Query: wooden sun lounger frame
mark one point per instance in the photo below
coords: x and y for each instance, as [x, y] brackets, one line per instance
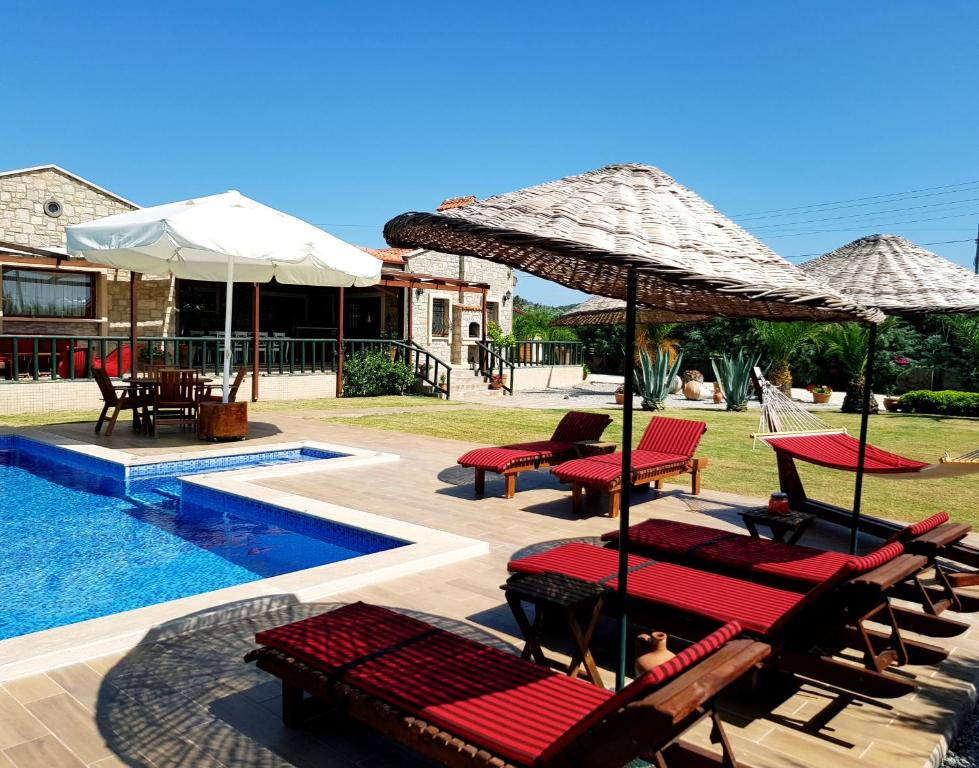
[509, 474]
[649, 728]
[581, 489]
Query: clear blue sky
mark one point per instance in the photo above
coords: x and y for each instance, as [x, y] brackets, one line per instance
[347, 114]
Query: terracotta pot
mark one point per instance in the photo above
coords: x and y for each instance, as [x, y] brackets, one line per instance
[651, 651]
[821, 397]
[692, 390]
[620, 398]
[891, 403]
[718, 395]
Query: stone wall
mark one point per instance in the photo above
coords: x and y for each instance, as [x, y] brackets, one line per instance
[500, 279]
[24, 222]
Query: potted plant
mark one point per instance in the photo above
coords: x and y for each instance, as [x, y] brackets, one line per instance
[692, 384]
[820, 393]
[891, 402]
[497, 381]
[620, 394]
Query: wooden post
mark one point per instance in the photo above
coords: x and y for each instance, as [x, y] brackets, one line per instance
[133, 326]
[256, 294]
[340, 314]
[410, 324]
[482, 362]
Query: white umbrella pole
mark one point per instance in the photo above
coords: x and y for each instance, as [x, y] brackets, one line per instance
[229, 294]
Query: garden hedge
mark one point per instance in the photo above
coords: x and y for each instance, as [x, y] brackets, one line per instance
[947, 402]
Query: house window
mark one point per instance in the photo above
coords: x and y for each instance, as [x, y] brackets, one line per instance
[493, 312]
[440, 317]
[473, 330]
[48, 293]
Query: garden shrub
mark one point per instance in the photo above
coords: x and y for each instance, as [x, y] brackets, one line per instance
[946, 402]
[372, 372]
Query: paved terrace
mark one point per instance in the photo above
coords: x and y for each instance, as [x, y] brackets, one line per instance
[188, 699]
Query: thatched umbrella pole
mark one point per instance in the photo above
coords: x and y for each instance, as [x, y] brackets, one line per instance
[629, 355]
[868, 389]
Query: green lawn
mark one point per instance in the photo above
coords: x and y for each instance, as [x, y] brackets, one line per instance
[393, 403]
[734, 466]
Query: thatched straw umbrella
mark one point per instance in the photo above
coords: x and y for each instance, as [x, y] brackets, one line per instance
[629, 232]
[601, 310]
[897, 277]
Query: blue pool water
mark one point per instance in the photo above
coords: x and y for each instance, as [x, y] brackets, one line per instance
[83, 537]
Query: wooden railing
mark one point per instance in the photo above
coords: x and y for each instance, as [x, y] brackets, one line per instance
[529, 353]
[492, 363]
[427, 367]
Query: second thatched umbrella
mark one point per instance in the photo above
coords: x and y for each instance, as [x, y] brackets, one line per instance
[629, 232]
[601, 310]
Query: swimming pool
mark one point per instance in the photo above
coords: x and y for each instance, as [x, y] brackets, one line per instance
[85, 537]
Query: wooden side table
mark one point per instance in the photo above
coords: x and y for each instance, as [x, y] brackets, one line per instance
[794, 524]
[571, 597]
[587, 448]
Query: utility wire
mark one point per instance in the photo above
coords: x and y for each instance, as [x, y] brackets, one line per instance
[865, 214]
[847, 203]
[875, 226]
[940, 242]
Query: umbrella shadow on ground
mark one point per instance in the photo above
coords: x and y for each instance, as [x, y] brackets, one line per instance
[185, 696]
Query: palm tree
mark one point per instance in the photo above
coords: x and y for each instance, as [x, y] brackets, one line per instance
[535, 323]
[783, 341]
[656, 336]
[847, 342]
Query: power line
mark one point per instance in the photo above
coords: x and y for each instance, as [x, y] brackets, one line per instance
[867, 213]
[858, 199]
[875, 226]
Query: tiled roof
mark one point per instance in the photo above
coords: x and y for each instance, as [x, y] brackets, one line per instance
[456, 202]
[389, 255]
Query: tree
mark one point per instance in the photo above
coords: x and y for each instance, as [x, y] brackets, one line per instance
[783, 341]
[534, 322]
[965, 331]
[848, 342]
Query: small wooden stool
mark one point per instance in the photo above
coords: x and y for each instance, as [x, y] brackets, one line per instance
[586, 448]
[794, 524]
[570, 596]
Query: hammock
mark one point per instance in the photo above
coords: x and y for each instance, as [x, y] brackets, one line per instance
[790, 430]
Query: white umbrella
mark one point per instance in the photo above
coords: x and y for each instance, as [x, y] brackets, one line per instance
[223, 238]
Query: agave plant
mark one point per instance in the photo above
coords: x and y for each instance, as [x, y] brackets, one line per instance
[657, 377]
[733, 373]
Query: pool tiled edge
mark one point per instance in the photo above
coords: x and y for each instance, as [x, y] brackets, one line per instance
[427, 548]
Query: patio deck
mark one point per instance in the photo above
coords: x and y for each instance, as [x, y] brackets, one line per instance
[188, 699]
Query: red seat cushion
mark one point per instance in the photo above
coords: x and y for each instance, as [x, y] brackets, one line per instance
[575, 426]
[516, 709]
[607, 468]
[505, 457]
[668, 435]
[756, 607]
[919, 528]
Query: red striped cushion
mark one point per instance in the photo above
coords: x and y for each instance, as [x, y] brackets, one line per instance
[668, 435]
[930, 524]
[875, 559]
[512, 707]
[505, 457]
[607, 469]
[645, 684]
[575, 426]
[839, 451]
[756, 607]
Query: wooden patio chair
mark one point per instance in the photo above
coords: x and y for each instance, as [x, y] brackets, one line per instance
[176, 399]
[462, 703]
[809, 631]
[213, 392]
[799, 567]
[120, 397]
[665, 450]
[511, 460]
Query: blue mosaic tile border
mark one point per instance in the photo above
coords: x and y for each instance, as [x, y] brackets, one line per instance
[71, 458]
[215, 463]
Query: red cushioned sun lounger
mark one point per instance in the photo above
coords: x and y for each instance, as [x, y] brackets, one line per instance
[799, 568]
[511, 460]
[805, 629]
[464, 703]
[665, 450]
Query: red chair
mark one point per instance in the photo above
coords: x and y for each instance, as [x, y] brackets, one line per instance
[464, 703]
[111, 362]
[665, 450]
[511, 460]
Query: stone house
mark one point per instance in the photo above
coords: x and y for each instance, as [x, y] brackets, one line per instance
[44, 292]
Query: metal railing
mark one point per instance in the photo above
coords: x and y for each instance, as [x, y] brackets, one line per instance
[531, 352]
[58, 357]
[492, 363]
